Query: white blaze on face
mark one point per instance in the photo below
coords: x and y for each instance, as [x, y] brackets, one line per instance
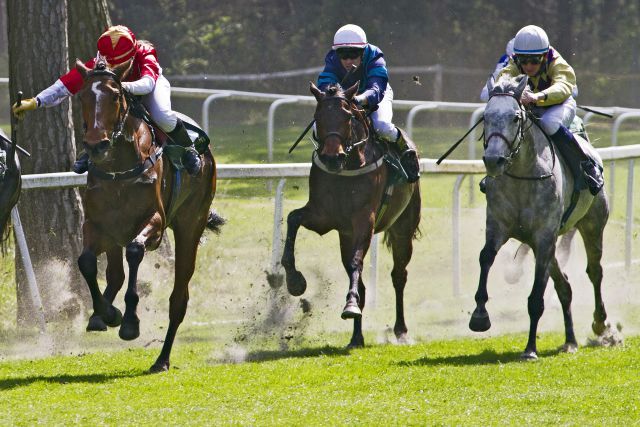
[99, 94]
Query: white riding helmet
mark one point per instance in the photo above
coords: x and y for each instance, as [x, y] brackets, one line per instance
[531, 40]
[349, 36]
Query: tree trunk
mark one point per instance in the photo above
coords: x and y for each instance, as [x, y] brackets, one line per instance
[3, 27]
[87, 20]
[51, 218]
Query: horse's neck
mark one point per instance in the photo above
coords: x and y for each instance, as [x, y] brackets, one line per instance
[134, 146]
[534, 157]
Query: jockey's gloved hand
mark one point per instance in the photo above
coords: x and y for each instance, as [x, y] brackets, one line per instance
[26, 105]
[361, 100]
[528, 97]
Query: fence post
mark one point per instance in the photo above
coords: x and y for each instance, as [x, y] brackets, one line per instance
[276, 245]
[32, 285]
[205, 108]
[271, 125]
[629, 222]
[456, 235]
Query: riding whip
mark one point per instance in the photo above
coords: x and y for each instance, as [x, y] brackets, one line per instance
[600, 113]
[454, 146]
[304, 132]
[14, 124]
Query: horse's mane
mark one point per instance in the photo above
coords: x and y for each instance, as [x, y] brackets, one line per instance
[334, 90]
[506, 85]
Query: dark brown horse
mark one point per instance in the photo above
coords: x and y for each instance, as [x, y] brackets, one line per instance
[349, 192]
[10, 183]
[129, 201]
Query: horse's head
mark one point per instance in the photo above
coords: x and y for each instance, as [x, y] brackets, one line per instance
[504, 120]
[340, 126]
[103, 106]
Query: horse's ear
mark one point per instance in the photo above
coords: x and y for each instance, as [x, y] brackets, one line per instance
[123, 69]
[522, 84]
[349, 93]
[315, 91]
[82, 69]
[491, 82]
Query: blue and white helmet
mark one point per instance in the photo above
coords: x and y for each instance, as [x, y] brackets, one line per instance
[531, 40]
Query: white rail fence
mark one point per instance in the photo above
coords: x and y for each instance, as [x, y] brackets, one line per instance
[462, 168]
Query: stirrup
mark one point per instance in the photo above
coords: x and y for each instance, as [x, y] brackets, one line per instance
[81, 165]
[191, 161]
[411, 165]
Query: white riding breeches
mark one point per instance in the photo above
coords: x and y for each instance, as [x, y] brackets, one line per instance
[552, 117]
[383, 116]
[158, 103]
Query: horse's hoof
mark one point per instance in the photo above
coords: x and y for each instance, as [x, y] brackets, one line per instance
[356, 343]
[480, 321]
[96, 324]
[130, 329]
[598, 327]
[159, 367]
[569, 347]
[113, 317]
[275, 280]
[403, 339]
[351, 311]
[296, 283]
[529, 356]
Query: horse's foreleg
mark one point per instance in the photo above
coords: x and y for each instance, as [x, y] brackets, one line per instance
[563, 289]
[296, 283]
[134, 253]
[104, 314]
[186, 249]
[480, 321]
[545, 250]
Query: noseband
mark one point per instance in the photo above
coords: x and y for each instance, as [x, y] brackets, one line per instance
[516, 143]
[347, 142]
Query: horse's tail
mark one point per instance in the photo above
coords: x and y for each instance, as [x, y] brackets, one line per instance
[215, 221]
[387, 242]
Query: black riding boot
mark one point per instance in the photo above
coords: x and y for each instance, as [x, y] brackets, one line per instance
[408, 156]
[81, 165]
[190, 159]
[581, 165]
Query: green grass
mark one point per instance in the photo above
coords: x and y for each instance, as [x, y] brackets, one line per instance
[470, 382]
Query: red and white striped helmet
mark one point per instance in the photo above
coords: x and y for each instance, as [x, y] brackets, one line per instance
[349, 36]
[117, 44]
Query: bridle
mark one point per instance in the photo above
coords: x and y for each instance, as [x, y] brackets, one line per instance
[119, 126]
[356, 115]
[514, 145]
[117, 134]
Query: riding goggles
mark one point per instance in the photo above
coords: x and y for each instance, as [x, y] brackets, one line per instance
[349, 53]
[529, 59]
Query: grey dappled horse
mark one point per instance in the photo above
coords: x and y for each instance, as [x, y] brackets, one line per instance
[528, 191]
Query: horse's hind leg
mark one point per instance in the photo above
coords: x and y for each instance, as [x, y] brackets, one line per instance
[400, 237]
[563, 289]
[591, 228]
[186, 239]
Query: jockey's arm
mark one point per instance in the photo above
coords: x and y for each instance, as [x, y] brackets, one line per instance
[142, 86]
[563, 80]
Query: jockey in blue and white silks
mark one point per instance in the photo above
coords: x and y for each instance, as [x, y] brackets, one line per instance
[350, 48]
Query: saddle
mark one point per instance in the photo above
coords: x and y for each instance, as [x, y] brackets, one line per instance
[172, 152]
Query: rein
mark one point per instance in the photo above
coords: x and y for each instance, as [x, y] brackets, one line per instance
[344, 140]
[117, 134]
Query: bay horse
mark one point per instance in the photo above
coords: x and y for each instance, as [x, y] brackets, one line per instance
[349, 191]
[10, 183]
[529, 189]
[131, 197]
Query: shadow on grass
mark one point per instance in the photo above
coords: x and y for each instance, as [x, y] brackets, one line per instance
[487, 357]
[265, 356]
[11, 383]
